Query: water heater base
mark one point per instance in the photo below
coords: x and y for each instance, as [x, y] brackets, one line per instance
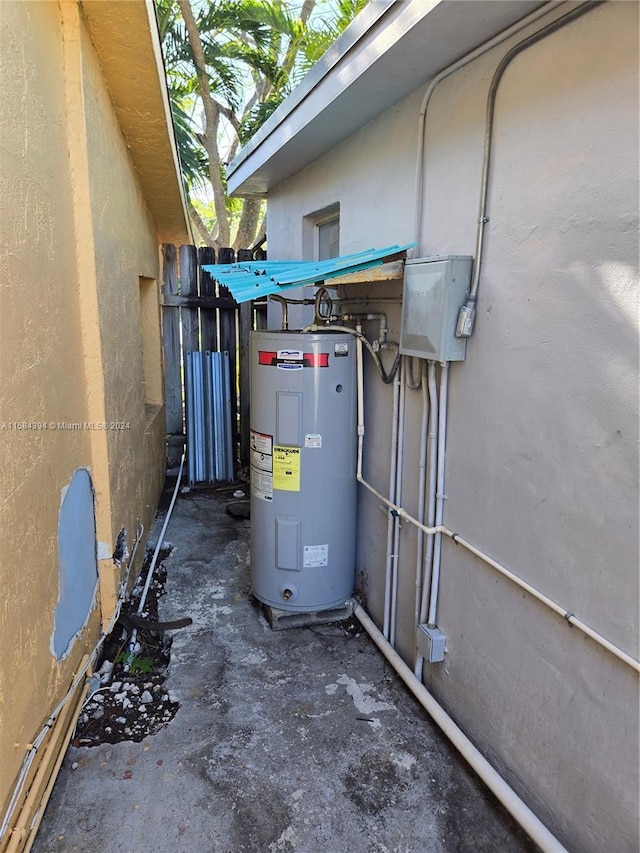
[281, 619]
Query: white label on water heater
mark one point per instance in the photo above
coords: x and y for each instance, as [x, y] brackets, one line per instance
[261, 465]
[315, 556]
[261, 485]
[313, 439]
[261, 461]
[290, 359]
[261, 442]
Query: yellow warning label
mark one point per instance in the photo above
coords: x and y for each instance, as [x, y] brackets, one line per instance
[286, 468]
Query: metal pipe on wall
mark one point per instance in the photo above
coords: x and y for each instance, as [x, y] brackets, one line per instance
[468, 312]
[446, 72]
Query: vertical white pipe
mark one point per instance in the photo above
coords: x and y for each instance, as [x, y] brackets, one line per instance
[431, 499]
[131, 645]
[392, 496]
[360, 393]
[431, 493]
[395, 564]
[360, 418]
[440, 495]
[422, 487]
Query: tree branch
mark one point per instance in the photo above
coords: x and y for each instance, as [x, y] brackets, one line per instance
[246, 233]
[228, 114]
[212, 117]
[201, 228]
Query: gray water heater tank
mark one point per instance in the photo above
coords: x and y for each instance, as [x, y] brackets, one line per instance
[303, 466]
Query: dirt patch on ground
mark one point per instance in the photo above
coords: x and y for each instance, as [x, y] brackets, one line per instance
[131, 701]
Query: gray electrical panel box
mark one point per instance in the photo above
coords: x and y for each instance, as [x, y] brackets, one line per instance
[434, 291]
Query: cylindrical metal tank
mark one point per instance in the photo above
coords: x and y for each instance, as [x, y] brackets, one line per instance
[303, 466]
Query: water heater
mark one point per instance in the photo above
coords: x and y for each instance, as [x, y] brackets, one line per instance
[303, 466]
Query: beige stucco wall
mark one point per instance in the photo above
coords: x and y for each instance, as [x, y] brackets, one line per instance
[542, 456]
[77, 235]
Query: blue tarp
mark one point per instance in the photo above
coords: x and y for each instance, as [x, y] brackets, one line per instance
[254, 279]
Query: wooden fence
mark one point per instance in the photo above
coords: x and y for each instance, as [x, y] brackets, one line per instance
[200, 315]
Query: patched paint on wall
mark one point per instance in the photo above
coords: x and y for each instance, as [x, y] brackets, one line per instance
[77, 563]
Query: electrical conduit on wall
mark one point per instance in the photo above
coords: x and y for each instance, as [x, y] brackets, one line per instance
[567, 615]
[507, 796]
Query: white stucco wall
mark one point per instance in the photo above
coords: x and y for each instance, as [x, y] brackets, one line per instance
[542, 465]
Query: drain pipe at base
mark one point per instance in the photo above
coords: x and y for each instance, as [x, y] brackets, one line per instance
[531, 824]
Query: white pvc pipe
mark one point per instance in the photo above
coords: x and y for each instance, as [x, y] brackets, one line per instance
[147, 583]
[392, 495]
[422, 487]
[431, 529]
[440, 495]
[360, 392]
[134, 634]
[557, 608]
[540, 596]
[431, 505]
[395, 556]
[433, 480]
[568, 615]
[357, 318]
[531, 824]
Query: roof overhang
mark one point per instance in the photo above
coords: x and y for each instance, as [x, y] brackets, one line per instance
[125, 36]
[388, 51]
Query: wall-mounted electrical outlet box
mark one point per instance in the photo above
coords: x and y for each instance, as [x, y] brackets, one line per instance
[431, 643]
[434, 291]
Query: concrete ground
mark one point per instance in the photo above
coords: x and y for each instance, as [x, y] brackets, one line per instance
[296, 740]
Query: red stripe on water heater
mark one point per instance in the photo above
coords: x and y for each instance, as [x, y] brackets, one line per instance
[316, 359]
